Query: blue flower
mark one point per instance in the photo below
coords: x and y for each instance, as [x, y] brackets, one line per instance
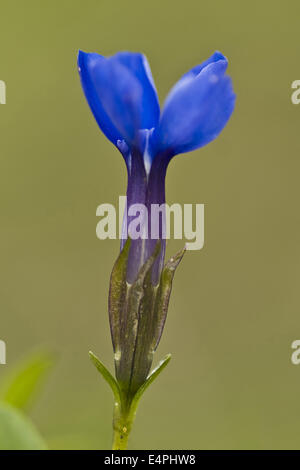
[121, 94]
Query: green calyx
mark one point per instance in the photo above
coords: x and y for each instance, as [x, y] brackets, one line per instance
[137, 315]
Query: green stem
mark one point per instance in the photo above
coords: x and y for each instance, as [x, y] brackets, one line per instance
[122, 424]
[120, 440]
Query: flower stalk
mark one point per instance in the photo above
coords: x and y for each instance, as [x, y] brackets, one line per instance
[122, 424]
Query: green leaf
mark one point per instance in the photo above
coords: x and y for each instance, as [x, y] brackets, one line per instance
[21, 386]
[151, 377]
[107, 376]
[17, 432]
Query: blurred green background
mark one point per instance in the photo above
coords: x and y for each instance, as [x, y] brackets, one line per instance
[235, 308]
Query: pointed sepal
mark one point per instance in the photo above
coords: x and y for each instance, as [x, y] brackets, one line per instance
[163, 296]
[117, 295]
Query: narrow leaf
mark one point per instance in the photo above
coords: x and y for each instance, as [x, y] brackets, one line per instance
[106, 375]
[151, 377]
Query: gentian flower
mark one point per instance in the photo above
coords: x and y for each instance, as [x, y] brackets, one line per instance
[122, 96]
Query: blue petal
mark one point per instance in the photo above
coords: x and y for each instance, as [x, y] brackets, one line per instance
[87, 63]
[121, 94]
[197, 108]
[197, 69]
[140, 68]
